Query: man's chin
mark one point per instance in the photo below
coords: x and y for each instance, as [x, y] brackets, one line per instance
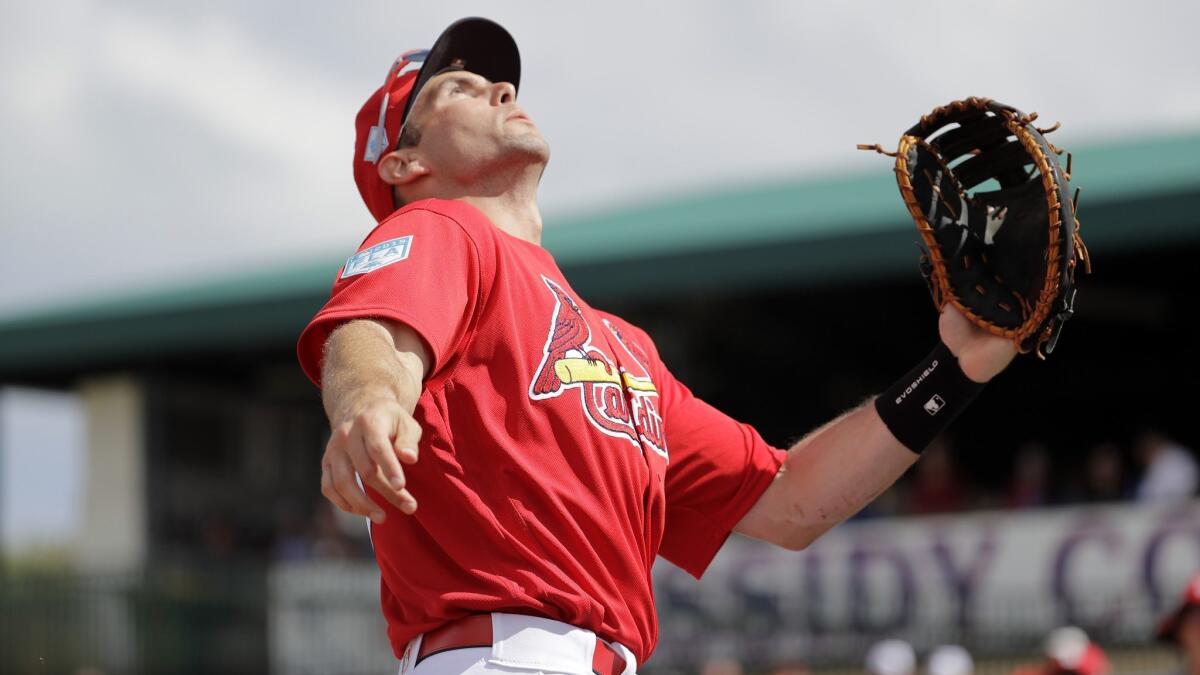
[532, 146]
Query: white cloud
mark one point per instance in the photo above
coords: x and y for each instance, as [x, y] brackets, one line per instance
[216, 72]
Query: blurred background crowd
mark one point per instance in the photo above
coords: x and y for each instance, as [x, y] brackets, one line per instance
[1152, 469]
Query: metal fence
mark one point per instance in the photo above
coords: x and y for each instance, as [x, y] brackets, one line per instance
[193, 621]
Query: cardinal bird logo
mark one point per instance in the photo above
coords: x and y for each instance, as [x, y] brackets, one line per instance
[615, 401]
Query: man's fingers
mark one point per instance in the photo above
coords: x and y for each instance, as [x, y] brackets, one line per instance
[330, 493]
[408, 435]
[364, 453]
[391, 477]
[364, 450]
[345, 482]
[379, 449]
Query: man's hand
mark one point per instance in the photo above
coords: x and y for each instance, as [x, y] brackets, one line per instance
[372, 439]
[981, 355]
[371, 380]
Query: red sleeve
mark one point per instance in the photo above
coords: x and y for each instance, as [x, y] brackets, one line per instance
[419, 268]
[718, 469]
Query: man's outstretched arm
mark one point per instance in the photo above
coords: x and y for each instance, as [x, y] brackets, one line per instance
[841, 467]
[371, 378]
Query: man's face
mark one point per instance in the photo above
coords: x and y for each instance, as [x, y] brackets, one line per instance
[470, 127]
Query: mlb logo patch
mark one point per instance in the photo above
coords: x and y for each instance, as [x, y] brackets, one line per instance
[933, 405]
[380, 255]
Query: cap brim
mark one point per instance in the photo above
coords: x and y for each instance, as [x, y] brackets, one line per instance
[482, 46]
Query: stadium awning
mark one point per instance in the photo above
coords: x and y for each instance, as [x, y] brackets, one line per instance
[808, 232]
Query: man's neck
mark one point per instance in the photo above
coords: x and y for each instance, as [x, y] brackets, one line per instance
[515, 213]
[508, 199]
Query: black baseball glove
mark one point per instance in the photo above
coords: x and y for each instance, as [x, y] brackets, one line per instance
[996, 217]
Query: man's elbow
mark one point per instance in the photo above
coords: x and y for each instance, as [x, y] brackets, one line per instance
[797, 538]
[780, 519]
[793, 533]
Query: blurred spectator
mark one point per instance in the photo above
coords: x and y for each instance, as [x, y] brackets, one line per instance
[1069, 651]
[936, 487]
[891, 657]
[329, 542]
[721, 666]
[1182, 627]
[1104, 477]
[1031, 478]
[1169, 469]
[291, 537]
[949, 660]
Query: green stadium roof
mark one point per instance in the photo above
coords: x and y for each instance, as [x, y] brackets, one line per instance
[804, 232]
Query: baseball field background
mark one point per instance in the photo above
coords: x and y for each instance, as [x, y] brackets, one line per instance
[176, 198]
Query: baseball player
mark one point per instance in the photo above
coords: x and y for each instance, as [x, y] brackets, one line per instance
[523, 458]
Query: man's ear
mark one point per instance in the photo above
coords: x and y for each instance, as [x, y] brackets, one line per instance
[402, 167]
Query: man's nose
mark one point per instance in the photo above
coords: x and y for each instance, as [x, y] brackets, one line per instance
[503, 92]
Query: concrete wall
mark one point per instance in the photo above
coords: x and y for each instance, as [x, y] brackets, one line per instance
[113, 532]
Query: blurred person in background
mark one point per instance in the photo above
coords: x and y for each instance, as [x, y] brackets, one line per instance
[1182, 628]
[891, 657]
[721, 666]
[1104, 474]
[329, 538]
[1169, 469]
[949, 660]
[292, 540]
[1031, 478]
[936, 487]
[1069, 651]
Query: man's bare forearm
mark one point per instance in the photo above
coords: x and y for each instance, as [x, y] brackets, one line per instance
[828, 476]
[371, 380]
[362, 362]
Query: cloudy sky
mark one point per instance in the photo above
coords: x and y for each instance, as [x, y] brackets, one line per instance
[151, 142]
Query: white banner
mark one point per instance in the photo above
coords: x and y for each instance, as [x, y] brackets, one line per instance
[997, 579]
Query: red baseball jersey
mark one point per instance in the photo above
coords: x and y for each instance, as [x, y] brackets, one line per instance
[559, 456]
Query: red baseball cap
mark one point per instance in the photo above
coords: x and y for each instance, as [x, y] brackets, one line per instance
[478, 45]
[1169, 626]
